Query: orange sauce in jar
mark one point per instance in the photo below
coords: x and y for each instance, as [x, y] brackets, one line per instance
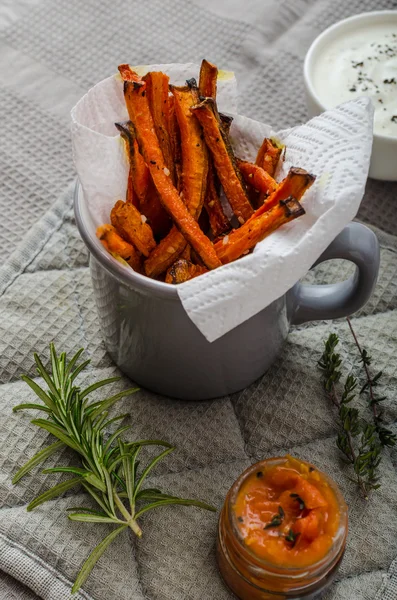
[283, 530]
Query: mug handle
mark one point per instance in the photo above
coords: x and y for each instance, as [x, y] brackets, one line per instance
[358, 244]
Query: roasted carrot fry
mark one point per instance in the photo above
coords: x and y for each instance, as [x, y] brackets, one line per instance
[140, 173]
[131, 196]
[127, 219]
[115, 244]
[138, 109]
[183, 270]
[218, 221]
[187, 253]
[241, 240]
[194, 177]
[138, 168]
[194, 151]
[175, 139]
[268, 156]
[148, 200]
[226, 122]
[157, 93]
[207, 79]
[164, 254]
[207, 88]
[151, 207]
[295, 184]
[128, 136]
[127, 73]
[257, 177]
[224, 160]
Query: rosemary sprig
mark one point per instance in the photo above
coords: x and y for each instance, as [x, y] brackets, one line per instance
[110, 471]
[356, 439]
[386, 437]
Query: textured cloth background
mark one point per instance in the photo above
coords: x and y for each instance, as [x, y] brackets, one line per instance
[51, 52]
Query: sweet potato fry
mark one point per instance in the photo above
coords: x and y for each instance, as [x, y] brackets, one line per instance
[115, 244]
[295, 184]
[183, 270]
[257, 177]
[207, 79]
[157, 94]
[224, 160]
[241, 240]
[138, 168]
[218, 221]
[127, 219]
[138, 109]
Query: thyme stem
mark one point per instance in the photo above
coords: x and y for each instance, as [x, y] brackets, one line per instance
[356, 439]
[386, 436]
[353, 456]
[368, 376]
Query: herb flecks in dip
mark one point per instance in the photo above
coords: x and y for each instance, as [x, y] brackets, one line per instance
[362, 62]
[287, 515]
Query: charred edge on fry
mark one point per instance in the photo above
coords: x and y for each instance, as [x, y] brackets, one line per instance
[173, 273]
[224, 131]
[226, 120]
[298, 171]
[126, 129]
[191, 83]
[292, 207]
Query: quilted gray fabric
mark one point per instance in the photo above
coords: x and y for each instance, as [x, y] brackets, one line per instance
[50, 53]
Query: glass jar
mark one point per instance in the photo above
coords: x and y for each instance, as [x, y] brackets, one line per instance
[251, 577]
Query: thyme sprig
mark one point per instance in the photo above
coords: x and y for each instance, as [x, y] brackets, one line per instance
[357, 440]
[110, 470]
[386, 437]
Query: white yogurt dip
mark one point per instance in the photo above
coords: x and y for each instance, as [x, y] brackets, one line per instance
[361, 62]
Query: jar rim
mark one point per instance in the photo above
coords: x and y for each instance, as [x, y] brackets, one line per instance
[281, 570]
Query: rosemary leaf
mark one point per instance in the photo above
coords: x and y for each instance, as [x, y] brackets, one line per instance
[94, 557]
[169, 501]
[32, 407]
[37, 459]
[92, 518]
[54, 492]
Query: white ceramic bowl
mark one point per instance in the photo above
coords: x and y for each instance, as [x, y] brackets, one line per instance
[384, 150]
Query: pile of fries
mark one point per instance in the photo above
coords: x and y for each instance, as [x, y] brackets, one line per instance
[180, 157]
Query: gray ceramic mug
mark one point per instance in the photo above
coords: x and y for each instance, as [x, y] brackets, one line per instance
[150, 337]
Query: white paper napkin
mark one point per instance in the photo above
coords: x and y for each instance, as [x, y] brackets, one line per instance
[336, 147]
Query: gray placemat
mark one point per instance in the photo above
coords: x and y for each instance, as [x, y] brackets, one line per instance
[50, 53]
